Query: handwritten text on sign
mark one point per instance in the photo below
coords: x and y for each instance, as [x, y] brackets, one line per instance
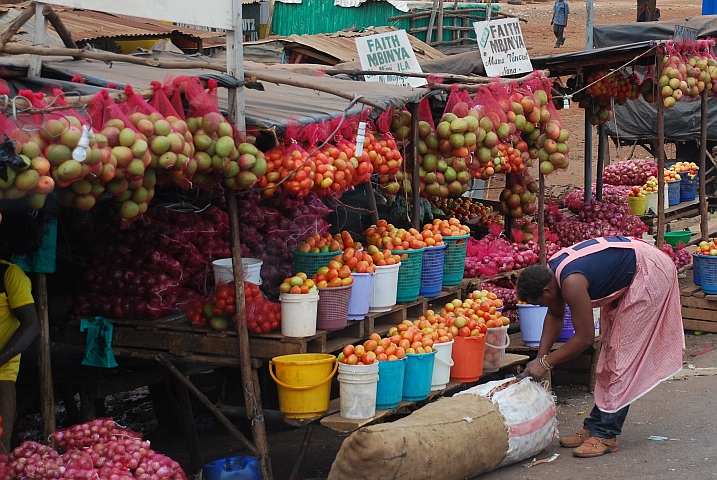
[389, 51]
[502, 47]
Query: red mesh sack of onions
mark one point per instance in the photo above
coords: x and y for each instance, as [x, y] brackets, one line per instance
[615, 194]
[635, 171]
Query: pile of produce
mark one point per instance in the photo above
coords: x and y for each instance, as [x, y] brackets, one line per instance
[272, 227]
[635, 171]
[490, 256]
[615, 194]
[161, 264]
[680, 256]
[466, 208]
[95, 450]
[384, 235]
[598, 219]
[519, 197]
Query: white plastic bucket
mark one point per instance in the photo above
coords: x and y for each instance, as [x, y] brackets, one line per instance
[223, 271]
[298, 314]
[531, 323]
[385, 287]
[358, 390]
[496, 341]
[442, 365]
[652, 200]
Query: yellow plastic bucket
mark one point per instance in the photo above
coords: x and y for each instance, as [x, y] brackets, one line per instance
[304, 381]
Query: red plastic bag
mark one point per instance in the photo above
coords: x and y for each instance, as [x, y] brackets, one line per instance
[459, 102]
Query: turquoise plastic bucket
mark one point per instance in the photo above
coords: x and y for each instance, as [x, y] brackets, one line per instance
[390, 383]
[417, 379]
[233, 468]
[361, 295]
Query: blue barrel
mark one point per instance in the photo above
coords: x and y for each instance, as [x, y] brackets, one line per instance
[233, 468]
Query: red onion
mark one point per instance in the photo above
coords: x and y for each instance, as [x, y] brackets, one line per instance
[635, 171]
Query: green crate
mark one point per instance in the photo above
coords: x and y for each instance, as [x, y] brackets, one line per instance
[309, 263]
[409, 274]
[455, 259]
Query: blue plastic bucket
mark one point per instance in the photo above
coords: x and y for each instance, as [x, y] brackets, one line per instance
[390, 383]
[417, 379]
[688, 188]
[233, 468]
[673, 192]
[432, 271]
[708, 274]
[568, 330]
[531, 323]
[696, 270]
[360, 300]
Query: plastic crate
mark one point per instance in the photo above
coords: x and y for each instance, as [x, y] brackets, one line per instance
[688, 188]
[409, 274]
[708, 273]
[309, 263]
[455, 259]
[432, 271]
[673, 192]
[333, 308]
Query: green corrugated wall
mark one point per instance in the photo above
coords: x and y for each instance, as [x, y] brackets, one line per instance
[321, 16]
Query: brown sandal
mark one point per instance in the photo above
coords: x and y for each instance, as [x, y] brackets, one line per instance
[595, 447]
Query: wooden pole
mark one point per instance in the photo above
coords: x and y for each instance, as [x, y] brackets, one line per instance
[235, 68]
[371, 197]
[35, 67]
[602, 151]
[415, 180]
[541, 218]
[59, 27]
[16, 24]
[660, 166]
[47, 395]
[439, 39]
[588, 162]
[251, 398]
[431, 21]
[704, 214]
[207, 403]
[270, 19]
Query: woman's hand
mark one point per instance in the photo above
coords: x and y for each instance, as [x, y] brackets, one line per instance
[535, 370]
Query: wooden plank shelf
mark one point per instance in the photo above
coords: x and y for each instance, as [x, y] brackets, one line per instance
[175, 334]
[699, 310]
[340, 424]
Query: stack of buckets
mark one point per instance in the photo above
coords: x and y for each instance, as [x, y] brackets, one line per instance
[409, 379]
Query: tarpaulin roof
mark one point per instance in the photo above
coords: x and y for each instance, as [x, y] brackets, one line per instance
[623, 33]
[637, 120]
[274, 107]
[461, 64]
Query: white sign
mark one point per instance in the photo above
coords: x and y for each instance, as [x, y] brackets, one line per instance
[502, 47]
[389, 51]
[215, 13]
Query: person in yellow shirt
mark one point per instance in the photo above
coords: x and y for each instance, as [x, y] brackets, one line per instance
[19, 325]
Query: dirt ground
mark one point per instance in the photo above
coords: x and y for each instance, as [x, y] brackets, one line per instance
[539, 36]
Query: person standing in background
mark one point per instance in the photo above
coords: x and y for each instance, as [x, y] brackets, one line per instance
[19, 325]
[561, 10]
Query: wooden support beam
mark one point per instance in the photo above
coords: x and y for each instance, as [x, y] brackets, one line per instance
[541, 219]
[439, 39]
[431, 21]
[235, 68]
[267, 32]
[16, 24]
[207, 403]
[661, 185]
[702, 164]
[371, 197]
[588, 158]
[38, 38]
[252, 396]
[415, 138]
[47, 395]
[602, 153]
[59, 27]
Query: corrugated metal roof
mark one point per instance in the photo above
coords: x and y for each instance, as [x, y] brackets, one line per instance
[340, 47]
[87, 25]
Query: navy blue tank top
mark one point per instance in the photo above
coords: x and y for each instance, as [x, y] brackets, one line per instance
[607, 271]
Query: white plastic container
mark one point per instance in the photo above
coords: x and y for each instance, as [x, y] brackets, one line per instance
[442, 365]
[651, 204]
[385, 287]
[531, 318]
[358, 390]
[496, 341]
[223, 271]
[298, 314]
